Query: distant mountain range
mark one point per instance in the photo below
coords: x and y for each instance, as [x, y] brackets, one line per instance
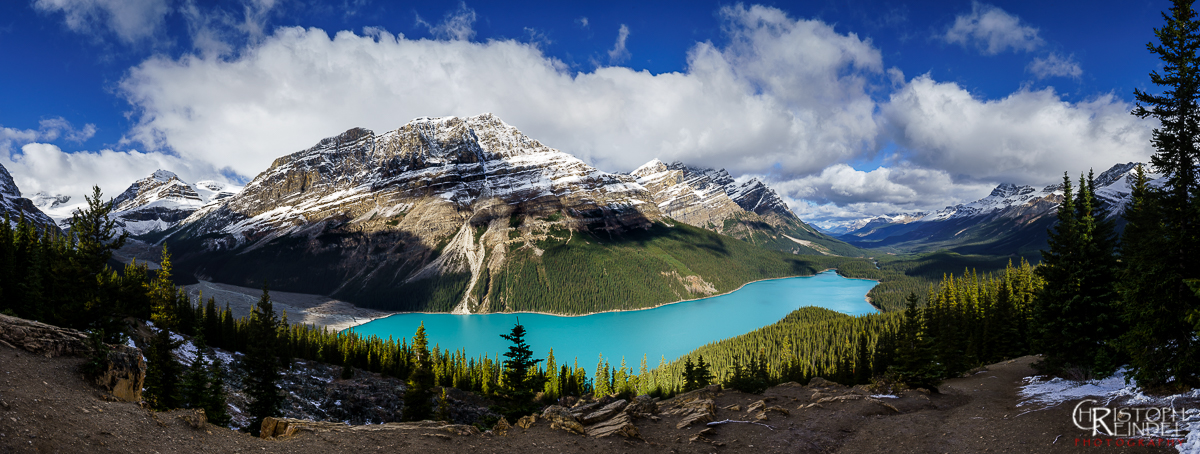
[1011, 220]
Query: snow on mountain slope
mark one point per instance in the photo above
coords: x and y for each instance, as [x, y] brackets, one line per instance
[694, 196]
[15, 207]
[448, 166]
[159, 201]
[1006, 211]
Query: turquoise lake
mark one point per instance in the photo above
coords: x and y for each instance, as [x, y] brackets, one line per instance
[667, 331]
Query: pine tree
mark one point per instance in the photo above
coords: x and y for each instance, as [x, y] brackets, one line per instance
[163, 371]
[1077, 309]
[262, 363]
[918, 367]
[1160, 348]
[417, 404]
[216, 407]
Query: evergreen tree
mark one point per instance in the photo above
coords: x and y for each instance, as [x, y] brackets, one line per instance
[216, 407]
[1076, 310]
[1160, 348]
[262, 363]
[918, 367]
[520, 378]
[163, 371]
[417, 404]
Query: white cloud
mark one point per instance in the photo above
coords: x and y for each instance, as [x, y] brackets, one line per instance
[1028, 137]
[49, 129]
[784, 94]
[457, 25]
[842, 192]
[582, 21]
[130, 20]
[1055, 65]
[45, 167]
[216, 31]
[992, 31]
[619, 53]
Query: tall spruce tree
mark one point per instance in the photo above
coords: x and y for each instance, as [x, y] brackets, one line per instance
[262, 363]
[1077, 312]
[418, 404]
[1161, 349]
[163, 371]
[521, 380]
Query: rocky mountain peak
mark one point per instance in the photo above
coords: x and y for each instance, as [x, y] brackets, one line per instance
[1115, 173]
[8, 187]
[1010, 190]
[16, 207]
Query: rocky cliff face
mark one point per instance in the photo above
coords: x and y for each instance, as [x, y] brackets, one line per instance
[749, 211]
[16, 207]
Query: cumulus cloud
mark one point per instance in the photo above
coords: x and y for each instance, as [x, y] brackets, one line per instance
[1029, 137]
[783, 93]
[457, 25]
[45, 167]
[619, 53]
[840, 192]
[129, 20]
[992, 31]
[1055, 65]
[49, 129]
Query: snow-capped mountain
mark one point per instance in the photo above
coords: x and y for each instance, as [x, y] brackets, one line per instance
[445, 204]
[1012, 217]
[161, 200]
[751, 211]
[15, 207]
[45, 201]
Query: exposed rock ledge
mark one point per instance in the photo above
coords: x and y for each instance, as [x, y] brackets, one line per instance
[126, 371]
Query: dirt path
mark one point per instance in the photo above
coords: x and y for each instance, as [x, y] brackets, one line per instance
[980, 414]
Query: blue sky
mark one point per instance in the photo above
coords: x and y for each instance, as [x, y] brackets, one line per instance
[849, 108]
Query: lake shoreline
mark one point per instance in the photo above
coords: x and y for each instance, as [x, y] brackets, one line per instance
[868, 300]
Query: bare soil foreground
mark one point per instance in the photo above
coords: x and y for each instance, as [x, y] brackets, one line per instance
[46, 406]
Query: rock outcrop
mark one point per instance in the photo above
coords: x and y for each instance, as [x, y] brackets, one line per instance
[123, 375]
[273, 427]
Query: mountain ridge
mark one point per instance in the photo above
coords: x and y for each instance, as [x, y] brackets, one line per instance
[470, 215]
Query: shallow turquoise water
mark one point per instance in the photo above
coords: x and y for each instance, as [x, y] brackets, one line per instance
[668, 331]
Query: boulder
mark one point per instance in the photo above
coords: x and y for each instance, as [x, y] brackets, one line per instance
[619, 425]
[642, 407]
[561, 418]
[756, 406]
[697, 411]
[501, 427]
[40, 338]
[125, 374]
[604, 413]
[526, 421]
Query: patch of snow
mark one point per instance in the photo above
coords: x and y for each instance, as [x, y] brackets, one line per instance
[1044, 392]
